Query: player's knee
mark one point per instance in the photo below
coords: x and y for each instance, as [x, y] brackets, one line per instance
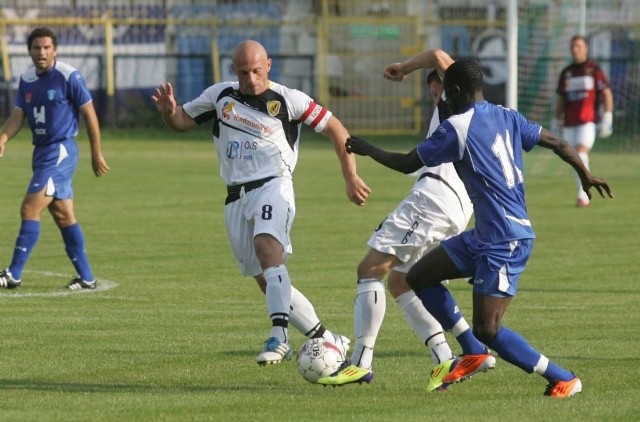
[374, 265]
[364, 269]
[397, 284]
[414, 280]
[31, 210]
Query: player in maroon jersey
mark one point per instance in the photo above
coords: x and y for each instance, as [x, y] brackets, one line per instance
[585, 104]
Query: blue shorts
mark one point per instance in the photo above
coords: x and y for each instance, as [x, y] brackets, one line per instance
[495, 267]
[53, 168]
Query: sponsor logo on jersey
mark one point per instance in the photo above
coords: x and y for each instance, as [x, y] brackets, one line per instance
[27, 97]
[255, 127]
[227, 108]
[51, 94]
[241, 150]
[273, 108]
[233, 150]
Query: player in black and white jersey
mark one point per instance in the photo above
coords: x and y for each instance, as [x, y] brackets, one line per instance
[256, 131]
[436, 208]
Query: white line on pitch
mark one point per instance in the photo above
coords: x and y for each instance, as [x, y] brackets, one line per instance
[102, 286]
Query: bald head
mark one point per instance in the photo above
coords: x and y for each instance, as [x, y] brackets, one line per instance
[251, 65]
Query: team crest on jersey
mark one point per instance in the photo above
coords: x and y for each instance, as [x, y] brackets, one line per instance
[273, 107]
[227, 108]
[27, 97]
[51, 94]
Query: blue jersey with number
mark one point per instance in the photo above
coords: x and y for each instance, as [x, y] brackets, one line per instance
[51, 101]
[486, 144]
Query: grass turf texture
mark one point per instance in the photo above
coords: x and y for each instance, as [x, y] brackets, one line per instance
[176, 339]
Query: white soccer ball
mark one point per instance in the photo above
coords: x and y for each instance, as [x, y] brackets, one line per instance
[318, 358]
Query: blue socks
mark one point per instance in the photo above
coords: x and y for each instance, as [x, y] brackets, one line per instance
[513, 348]
[74, 245]
[508, 344]
[439, 302]
[469, 344]
[26, 241]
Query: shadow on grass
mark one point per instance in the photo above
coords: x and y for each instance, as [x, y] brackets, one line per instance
[79, 387]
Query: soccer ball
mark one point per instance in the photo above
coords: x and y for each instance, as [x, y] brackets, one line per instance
[318, 358]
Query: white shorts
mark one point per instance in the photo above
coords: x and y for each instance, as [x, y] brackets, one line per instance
[584, 135]
[420, 222]
[269, 209]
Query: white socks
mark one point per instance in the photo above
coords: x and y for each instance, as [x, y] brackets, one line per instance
[426, 327]
[278, 296]
[304, 318]
[370, 307]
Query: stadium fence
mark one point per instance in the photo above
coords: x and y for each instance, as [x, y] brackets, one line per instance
[334, 50]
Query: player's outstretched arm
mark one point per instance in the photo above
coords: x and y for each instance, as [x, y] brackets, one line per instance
[568, 154]
[172, 114]
[430, 59]
[357, 189]
[399, 161]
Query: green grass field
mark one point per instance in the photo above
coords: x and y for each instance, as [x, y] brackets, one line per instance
[175, 334]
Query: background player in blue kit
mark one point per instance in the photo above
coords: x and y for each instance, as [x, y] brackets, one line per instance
[51, 95]
[486, 143]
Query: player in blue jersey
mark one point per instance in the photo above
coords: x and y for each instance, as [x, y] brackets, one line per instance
[51, 95]
[486, 143]
[437, 207]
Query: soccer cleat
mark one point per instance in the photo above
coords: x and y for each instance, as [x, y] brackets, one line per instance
[563, 389]
[77, 283]
[274, 352]
[7, 281]
[348, 374]
[343, 344]
[438, 372]
[468, 365]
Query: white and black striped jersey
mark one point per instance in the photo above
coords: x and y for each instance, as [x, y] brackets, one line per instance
[256, 136]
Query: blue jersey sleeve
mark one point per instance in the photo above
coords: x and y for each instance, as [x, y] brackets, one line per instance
[529, 131]
[78, 90]
[19, 102]
[443, 146]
